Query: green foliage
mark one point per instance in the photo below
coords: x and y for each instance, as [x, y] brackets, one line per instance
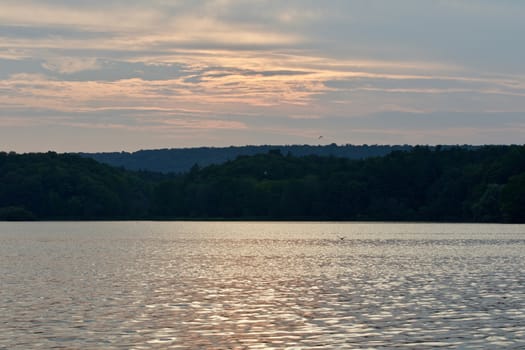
[432, 184]
[54, 186]
[513, 199]
[15, 214]
[483, 184]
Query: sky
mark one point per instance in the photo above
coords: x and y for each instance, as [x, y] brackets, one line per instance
[124, 75]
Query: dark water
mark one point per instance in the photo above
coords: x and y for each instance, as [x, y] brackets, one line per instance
[261, 286]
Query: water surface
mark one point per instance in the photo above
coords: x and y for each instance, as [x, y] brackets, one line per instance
[217, 285]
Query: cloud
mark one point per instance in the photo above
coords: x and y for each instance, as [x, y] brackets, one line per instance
[267, 68]
[256, 85]
[68, 65]
[99, 16]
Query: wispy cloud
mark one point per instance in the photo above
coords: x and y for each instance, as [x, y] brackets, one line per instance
[67, 65]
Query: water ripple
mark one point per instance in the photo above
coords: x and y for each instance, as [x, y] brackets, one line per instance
[125, 287]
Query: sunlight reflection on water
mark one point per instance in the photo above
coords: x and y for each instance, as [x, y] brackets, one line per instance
[261, 286]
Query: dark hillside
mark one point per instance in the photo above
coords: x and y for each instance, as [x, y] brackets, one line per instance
[430, 184]
[442, 184]
[63, 186]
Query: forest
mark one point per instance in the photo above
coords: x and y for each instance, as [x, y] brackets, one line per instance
[437, 184]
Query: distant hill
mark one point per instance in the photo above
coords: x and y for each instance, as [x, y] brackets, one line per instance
[180, 160]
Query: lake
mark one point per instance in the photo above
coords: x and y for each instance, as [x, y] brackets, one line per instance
[250, 285]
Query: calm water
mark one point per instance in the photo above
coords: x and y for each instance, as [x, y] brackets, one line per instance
[261, 286]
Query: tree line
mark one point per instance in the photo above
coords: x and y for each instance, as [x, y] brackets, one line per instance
[455, 184]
